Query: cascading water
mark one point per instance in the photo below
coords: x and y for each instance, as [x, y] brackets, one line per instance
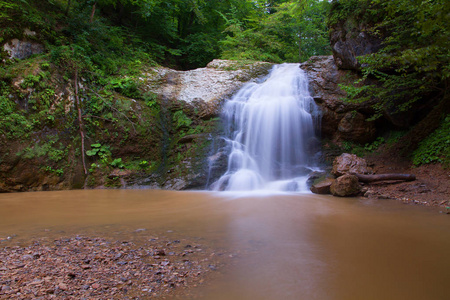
[271, 139]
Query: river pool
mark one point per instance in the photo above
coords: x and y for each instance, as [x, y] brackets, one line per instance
[289, 246]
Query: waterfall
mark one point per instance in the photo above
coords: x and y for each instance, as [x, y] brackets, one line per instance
[271, 133]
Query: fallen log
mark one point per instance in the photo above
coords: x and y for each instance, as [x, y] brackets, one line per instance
[381, 177]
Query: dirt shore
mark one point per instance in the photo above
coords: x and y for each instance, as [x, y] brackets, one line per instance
[81, 267]
[431, 187]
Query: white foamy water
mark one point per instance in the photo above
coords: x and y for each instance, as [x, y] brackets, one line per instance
[271, 134]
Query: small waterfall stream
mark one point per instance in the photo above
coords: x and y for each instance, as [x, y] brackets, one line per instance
[271, 135]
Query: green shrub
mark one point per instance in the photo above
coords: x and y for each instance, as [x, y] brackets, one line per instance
[102, 151]
[181, 120]
[436, 147]
[117, 163]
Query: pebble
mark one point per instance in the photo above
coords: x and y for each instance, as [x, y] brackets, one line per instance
[95, 286]
[89, 267]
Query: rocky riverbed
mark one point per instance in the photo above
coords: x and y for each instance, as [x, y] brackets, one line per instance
[82, 267]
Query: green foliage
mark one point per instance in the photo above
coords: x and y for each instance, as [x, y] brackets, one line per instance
[30, 81]
[48, 148]
[12, 123]
[93, 167]
[127, 86]
[101, 151]
[345, 10]
[143, 164]
[413, 64]
[289, 31]
[117, 163]
[49, 169]
[370, 147]
[350, 147]
[436, 147]
[388, 139]
[181, 119]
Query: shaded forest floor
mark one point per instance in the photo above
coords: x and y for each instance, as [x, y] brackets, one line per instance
[431, 187]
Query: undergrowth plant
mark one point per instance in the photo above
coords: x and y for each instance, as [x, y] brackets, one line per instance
[436, 147]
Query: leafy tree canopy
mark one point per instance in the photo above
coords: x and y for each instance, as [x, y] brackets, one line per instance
[413, 64]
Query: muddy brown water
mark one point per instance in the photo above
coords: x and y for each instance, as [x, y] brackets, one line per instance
[286, 246]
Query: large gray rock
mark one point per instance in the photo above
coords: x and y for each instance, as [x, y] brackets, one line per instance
[204, 88]
[349, 163]
[345, 186]
[21, 49]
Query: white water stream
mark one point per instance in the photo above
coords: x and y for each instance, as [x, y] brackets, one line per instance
[271, 134]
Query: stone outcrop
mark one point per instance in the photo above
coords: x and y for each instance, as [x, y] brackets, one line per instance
[176, 141]
[341, 121]
[349, 163]
[24, 48]
[345, 186]
[204, 88]
[200, 94]
[354, 127]
[351, 39]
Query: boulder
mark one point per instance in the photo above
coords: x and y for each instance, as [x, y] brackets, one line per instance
[349, 163]
[345, 186]
[323, 187]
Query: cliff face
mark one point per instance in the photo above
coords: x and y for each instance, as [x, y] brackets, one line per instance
[341, 121]
[350, 39]
[160, 141]
[199, 95]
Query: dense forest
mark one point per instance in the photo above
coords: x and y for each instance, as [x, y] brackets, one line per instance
[104, 45]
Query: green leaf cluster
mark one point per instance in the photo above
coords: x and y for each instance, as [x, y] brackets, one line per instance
[414, 63]
[436, 147]
[280, 31]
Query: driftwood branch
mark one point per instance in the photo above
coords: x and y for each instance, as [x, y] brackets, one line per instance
[381, 177]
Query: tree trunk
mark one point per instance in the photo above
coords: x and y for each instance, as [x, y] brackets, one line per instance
[68, 7]
[300, 47]
[93, 12]
[381, 177]
[80, 121]
[120, 11]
